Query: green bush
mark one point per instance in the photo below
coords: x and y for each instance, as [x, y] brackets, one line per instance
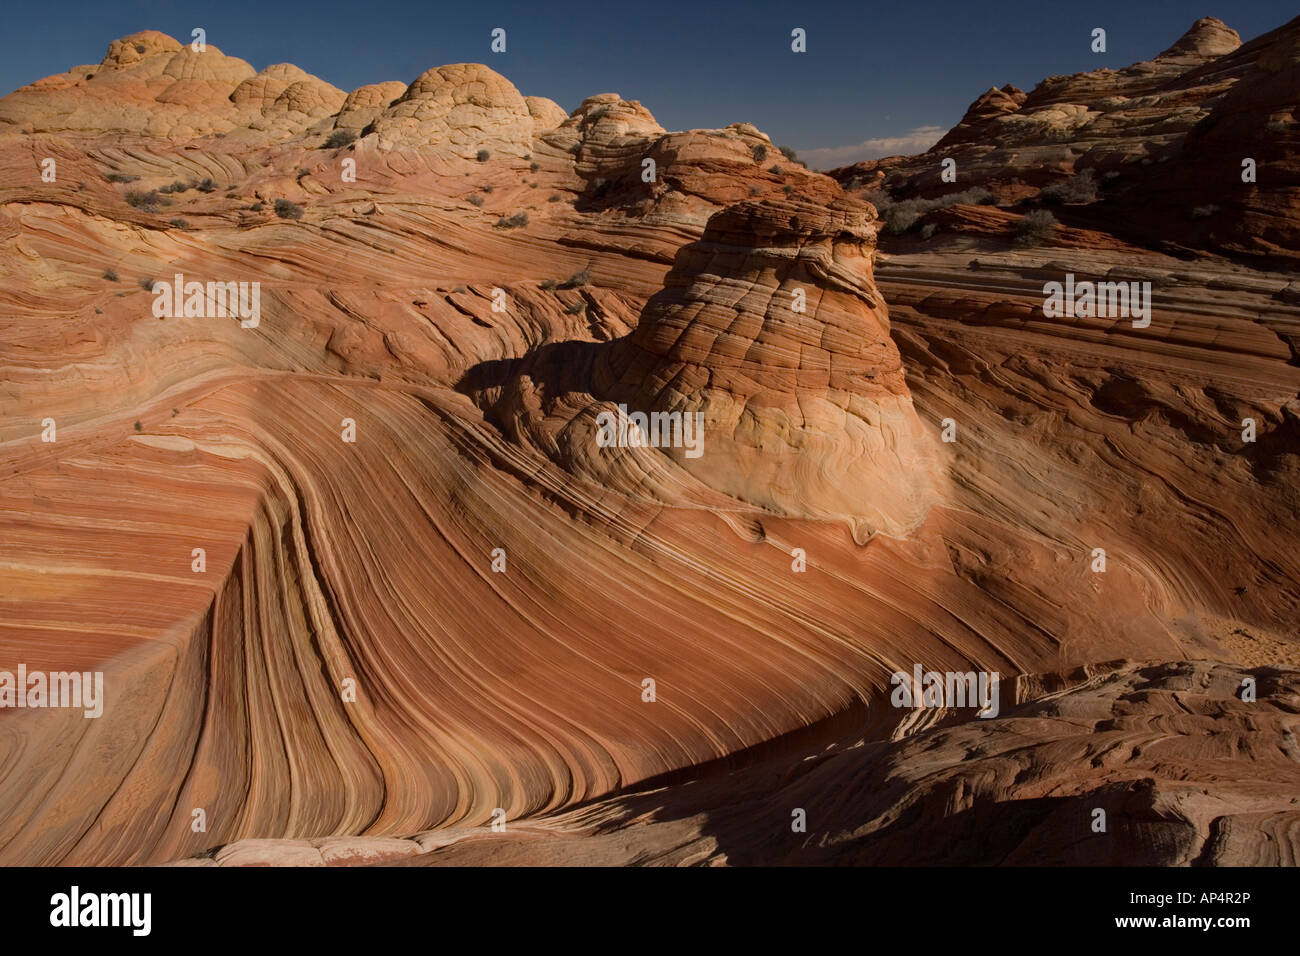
[511, 222]
[759, 153]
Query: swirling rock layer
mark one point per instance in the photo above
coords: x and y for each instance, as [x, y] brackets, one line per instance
[361, 581]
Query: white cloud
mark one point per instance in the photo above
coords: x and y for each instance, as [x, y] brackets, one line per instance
[911, 142]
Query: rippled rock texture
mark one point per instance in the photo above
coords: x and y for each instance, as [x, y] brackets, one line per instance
[363, 579]
[1192, 151]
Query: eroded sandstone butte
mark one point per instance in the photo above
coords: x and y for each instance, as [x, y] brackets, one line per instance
[770, 329]
[371, 562]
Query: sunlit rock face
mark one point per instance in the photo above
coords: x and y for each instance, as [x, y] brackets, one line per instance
[771, 328]
[361, 577]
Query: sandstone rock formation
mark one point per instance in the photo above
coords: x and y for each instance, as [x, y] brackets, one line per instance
[361, 578]
[1165, 140]
[1165, 750]
[770, 333]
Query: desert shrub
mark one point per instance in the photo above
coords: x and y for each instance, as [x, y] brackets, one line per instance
[482, 155]
[257, 206]
[554, 197]
[928, 230]
[1035, 227]
[147, 282]
[487, 189]
[755, 191]
[206, 185]
[774, 168]
[577, 280]
[759, 152]
[577, 307]
[121, 178]
[476, 199]
[1204, 212]
[1079, 188]
[287, 210]
[149, 201]
[901, 215]
[176, 187]
[339, 138]
[139, 426]
[788, 153]
[179, 223]
[110, 275]
[510, 222]
[550, 285]
[975, 196]
[534, 167]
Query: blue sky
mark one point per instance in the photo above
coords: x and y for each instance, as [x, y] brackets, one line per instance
[873, 70]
